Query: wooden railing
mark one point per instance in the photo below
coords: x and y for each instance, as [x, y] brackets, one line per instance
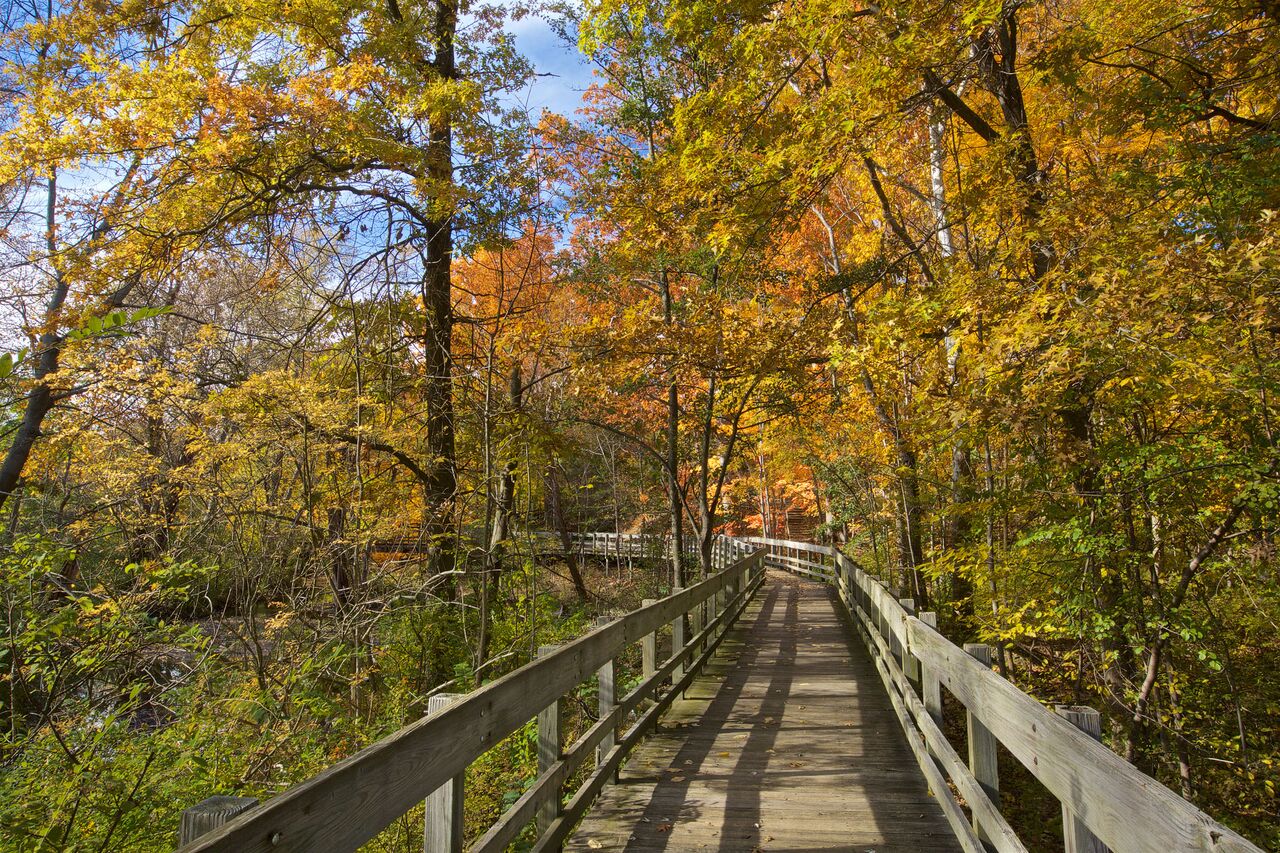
[1106, 802]
[352, 801]
[639, 545]
[644, 545]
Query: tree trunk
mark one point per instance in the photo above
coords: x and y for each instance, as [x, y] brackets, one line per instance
[41, 399]
[437, 303]
[706, 512]
[675, 504]
[341, 576]
[504, 504]
[959, 529]
[556, 508]
[504, 509]
[909, 544]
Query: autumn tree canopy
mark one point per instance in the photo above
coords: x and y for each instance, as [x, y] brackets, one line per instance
[313, 324]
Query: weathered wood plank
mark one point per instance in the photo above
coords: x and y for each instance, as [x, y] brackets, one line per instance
[605, 696]
[1129, 811]
[442, 828]
[919, 724]
[354, 800]
[553, 840]
[209, 814]
[786, 739]
[1125, 809]
[930, 687]
[550, 749]
[1076, 837]
[648, 651]
[983, 758]
[552, 777]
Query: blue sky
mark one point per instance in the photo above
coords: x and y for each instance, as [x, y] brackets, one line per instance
[567, 73]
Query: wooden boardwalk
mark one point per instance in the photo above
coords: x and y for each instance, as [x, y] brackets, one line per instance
[787, 742]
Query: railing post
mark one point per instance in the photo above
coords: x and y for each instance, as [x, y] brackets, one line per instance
[649, 655]
[882, 624]
[677, 642]
[442, 832]
[860, 581]
[982, 745]
[697, 620]
[209, 814]
[930, 687]
[882, 616]
[716, 605]
[548, 752]
[1076, 836]
[910, 665]
[848, 583]
[605, 678]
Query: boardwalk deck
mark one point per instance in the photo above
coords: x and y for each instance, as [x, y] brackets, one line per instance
[787, 742]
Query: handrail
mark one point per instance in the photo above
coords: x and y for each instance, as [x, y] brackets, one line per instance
[1101, 793]
[627, 544]
[351, 802]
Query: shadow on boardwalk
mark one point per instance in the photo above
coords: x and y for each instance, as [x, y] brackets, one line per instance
[787, 742]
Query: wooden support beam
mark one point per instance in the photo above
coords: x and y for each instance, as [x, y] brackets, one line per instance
[697, 619]
[677, 641]
[982, 744]
[606, 696]
[714, 605]
[549, 749]
[442, 832]
[930, 686]
[649, 654]
[1076, 836]
[910, 664]
[882, 627]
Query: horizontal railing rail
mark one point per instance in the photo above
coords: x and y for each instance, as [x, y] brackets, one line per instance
[351, 802]
[1105, 800]
[643, 545]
